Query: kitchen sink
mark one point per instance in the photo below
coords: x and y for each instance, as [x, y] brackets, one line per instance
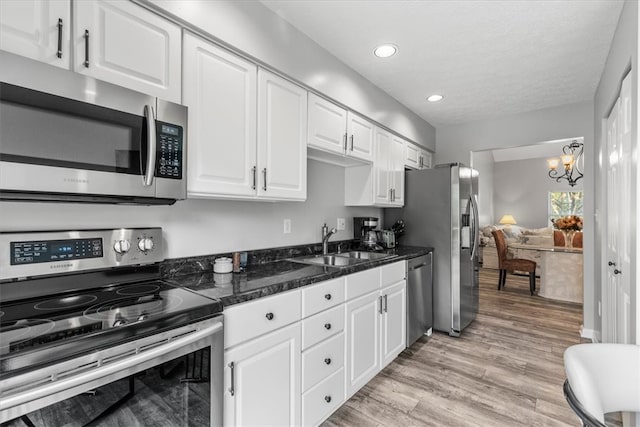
[331, 260]
[344, 259]
[369, 256]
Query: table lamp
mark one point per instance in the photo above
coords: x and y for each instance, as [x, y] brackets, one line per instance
[507, 220]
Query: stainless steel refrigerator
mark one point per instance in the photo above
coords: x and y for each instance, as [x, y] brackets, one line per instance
[441, 211]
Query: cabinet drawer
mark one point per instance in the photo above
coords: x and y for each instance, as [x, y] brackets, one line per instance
[322, 326]
[362, 283]
[322, 296]
[254, 318]
[392, 273]
[323, 399]
[321, 361]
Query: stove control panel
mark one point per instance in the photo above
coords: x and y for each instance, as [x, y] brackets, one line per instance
[24, 255]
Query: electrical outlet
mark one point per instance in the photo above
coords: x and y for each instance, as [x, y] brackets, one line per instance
[287, 226]
[341, 224]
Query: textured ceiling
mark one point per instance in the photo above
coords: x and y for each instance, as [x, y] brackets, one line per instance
[488, 58]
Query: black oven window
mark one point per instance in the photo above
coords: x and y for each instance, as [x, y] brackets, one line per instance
[176, 393]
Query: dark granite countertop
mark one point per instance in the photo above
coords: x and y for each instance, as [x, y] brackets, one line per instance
[269, 278]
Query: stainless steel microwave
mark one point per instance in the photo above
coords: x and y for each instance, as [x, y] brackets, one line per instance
[68, 137]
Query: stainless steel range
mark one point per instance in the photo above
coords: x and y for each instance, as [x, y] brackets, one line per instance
[90, 335]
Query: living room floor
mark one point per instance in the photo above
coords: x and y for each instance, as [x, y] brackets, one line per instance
[505, 369]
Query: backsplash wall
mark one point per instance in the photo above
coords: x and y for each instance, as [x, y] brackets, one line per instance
[200, 227]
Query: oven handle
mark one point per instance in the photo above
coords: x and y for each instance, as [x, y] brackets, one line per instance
[106, 370]
[151, 145]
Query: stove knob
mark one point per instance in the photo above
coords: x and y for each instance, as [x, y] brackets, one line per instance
[145, 244]
[121, 246]
[119, 322]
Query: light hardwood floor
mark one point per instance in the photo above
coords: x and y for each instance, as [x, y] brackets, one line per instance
[504, 370]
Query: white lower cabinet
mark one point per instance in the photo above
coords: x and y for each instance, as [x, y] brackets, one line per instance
[262, 380]
[293, 358]
[363, 341]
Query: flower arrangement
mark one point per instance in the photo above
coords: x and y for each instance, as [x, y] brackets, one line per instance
[569, 222]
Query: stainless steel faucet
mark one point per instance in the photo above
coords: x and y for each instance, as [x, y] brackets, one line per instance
[326, 233]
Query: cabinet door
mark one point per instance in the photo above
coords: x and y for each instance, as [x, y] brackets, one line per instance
[282, 131]
[128, 45]
[262, 380]
[396, 170]
[393, 324]
[220, 91]
[363, 341]
[412, 156]
[37, 29]
[381, 176]
[361, 137]
[426, 159]
[327, 125]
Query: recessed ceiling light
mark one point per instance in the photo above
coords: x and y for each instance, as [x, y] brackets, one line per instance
[385, 50]
[435, 98]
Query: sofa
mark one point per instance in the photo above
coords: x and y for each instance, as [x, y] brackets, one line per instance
[514, 234]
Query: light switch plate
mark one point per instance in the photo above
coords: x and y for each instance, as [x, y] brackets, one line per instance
[287, 226]
[341, 224]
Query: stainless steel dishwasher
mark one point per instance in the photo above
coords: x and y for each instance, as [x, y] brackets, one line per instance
[419, 297]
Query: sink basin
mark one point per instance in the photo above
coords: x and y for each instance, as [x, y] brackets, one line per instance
[331, 260]
[369, 256]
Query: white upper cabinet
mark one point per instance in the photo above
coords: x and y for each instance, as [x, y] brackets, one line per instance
[247, 128]
[382, 167]
[125, 44]
[220, 91]
[327, 125]
[282, 128]
[343, 134]
[416, 157]
[37, 29]
[426, 159]
[396, 170]
[361, 139]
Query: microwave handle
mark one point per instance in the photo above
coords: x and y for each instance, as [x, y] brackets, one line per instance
[151, 145]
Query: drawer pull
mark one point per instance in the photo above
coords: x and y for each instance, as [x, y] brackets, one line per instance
[269, 316]
[327, 399]
[327, 296]
[327, 361]
[327, 326]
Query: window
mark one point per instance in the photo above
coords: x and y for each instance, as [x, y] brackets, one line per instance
[563, 203]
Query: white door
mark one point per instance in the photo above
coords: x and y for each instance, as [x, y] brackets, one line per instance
[361, 137]
[220, 91]
[282, 132]
[616, 294]
[381, 175]
[393, 322]
[327, 125]
[396, 170]
[363, 345]
[37, 29]
[125, 44]
[262, 380]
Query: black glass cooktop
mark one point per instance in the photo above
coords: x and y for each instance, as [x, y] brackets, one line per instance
[45, 330]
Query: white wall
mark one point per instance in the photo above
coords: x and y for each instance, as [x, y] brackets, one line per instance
[456, 142]
[622, 57]
[200, 227]
[521, 188]
[258, 32]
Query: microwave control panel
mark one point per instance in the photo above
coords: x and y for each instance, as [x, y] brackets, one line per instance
[169, 151]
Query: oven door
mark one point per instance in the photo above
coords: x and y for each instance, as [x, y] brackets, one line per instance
[173, 378]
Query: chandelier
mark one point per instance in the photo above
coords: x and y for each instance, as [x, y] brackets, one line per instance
[571, 160]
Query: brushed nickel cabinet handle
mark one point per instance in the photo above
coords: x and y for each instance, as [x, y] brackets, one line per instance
[264, 176]
[254, 172]
[327, 326]
[351, 142]
[232, 390]
[327, 296]
[269, 316]
[345, 141]
[59, 53]
[86, 48]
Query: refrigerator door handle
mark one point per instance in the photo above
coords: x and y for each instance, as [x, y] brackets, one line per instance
[475, 226]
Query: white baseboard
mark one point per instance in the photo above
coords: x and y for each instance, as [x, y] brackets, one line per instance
[590, 334]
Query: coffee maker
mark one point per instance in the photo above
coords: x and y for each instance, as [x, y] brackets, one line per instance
[365, 233]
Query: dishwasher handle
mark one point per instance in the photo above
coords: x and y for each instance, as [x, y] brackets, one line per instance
[416, 267]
